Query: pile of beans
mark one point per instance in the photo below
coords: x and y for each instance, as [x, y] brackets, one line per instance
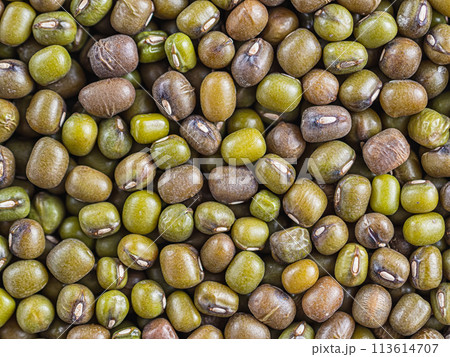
[224, 169]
